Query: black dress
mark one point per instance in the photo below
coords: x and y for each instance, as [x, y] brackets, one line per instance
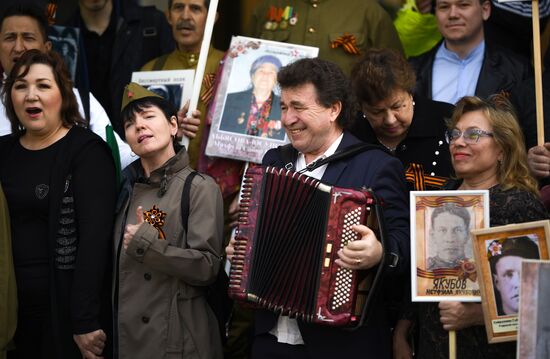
[506, 207]
[61, 201]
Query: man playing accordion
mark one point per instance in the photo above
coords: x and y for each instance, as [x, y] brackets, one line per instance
[316, 110]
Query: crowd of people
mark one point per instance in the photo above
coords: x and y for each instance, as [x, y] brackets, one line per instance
[101, 263]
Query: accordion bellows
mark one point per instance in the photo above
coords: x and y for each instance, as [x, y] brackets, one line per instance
[291, 227]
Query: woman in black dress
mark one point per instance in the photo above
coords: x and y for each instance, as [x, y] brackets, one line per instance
[59, 181]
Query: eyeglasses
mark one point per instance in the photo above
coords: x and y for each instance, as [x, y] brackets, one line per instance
[471, 135]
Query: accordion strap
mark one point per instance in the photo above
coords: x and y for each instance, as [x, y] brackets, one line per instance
[340, 155]
[289, 155]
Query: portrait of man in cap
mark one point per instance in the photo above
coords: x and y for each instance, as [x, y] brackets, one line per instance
[257, 110]
[505, 256]
[448, 236]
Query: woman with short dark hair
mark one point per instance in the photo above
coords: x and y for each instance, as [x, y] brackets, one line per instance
[166, 256]
[410, 127]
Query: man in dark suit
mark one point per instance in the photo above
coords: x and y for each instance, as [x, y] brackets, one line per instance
[256, 111]
[316, 110]
[464, 63]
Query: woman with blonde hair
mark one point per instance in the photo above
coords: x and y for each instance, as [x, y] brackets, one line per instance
[487, 153]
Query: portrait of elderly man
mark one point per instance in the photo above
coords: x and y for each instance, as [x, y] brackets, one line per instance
[257, 110]
[449, 232]
[505, 256]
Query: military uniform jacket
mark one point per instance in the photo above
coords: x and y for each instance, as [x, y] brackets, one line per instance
[160, 288]
[320, 22]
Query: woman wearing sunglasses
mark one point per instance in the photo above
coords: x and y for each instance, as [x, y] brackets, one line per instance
[487, 153]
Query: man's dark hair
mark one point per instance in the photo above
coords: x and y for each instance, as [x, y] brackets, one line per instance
[206, 4]
[452, 209]
[328, 79]
[26, 8]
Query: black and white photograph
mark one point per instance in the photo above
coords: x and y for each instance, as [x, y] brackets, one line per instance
[175, 86]
[65, 42]
[442, 261]
[534, 312]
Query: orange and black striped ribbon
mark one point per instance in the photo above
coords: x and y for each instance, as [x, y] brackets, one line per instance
[415, 174]
[446, 272]
[348, 43]
[51, 10]
[208, 88]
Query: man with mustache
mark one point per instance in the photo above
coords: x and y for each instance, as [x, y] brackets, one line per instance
[119, 37]
[448, 234]
[187, 19]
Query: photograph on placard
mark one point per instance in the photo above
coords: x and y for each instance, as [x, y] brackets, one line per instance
[65, 42]
[499, 252]
[175, 86]
[442, 265]
[534, 313]
[246, 109]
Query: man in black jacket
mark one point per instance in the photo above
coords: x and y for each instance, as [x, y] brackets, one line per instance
[119, 37]
[464, 64]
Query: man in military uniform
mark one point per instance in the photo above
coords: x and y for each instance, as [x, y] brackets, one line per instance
[187, 19]
[341, 29]
[449, 233]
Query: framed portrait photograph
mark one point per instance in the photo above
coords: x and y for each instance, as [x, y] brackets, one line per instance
[245, 113]
[442, 261]
[65, 40]
[534, 312]
[499, 252]
[175, 86]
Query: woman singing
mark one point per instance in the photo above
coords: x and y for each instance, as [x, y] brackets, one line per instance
[59, 181]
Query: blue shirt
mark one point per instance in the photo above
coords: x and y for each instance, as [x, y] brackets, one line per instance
[453, 77]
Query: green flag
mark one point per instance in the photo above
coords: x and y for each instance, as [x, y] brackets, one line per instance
[111, 141]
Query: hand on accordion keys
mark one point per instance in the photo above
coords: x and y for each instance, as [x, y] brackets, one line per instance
[363, 253]
[230, 249]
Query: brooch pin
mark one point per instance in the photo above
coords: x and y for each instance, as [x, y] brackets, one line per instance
[155, 217]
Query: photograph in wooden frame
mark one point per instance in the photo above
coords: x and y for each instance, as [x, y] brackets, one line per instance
[498, 252]
[534, 313]
[442, 265]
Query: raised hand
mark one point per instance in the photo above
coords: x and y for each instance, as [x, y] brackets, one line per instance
[131, 229]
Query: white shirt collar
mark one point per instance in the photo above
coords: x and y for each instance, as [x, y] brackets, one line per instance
[318, 172]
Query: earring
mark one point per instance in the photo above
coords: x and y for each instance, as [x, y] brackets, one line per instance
[364, 116]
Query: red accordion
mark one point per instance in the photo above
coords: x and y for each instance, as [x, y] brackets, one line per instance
[291, 227]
